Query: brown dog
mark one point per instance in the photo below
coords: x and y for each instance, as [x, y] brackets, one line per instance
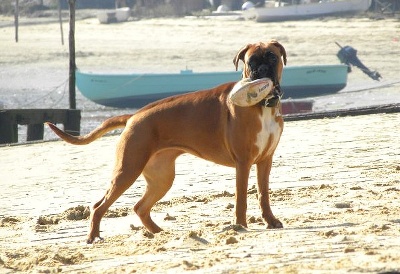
[205, 124]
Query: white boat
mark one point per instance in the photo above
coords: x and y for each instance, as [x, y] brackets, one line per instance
[112, 16]
[281, 11]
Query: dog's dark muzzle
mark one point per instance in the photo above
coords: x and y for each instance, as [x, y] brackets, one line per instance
[265, 71]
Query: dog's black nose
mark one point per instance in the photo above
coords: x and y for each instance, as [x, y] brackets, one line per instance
[262, 71]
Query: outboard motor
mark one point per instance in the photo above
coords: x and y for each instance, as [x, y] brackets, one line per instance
[348, 55]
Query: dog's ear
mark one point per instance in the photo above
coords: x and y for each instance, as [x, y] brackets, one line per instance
[281, 48]
[240, 55]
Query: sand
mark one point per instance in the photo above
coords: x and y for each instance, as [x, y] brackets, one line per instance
[335, 182]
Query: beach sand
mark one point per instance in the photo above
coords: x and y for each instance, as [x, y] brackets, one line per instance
[335, 182]
[335, 186]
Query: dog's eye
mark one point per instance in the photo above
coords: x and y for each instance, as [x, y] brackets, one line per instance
[252, 64]
[271, 57]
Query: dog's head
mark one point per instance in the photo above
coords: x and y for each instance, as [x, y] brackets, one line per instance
[262, 60]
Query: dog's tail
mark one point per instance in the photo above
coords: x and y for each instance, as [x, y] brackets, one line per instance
[108, 125]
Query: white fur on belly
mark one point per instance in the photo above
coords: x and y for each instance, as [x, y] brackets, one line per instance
[269, 128]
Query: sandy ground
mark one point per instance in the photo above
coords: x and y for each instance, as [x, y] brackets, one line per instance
[335, 182]
[335, 186]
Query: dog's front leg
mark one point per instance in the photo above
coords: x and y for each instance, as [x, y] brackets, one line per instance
[263, 171]
[242, 178]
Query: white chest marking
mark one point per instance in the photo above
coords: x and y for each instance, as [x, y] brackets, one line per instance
[269, 129]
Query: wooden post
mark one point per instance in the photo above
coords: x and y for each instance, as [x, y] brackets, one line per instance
[8, 129]
[16, 15]
[72, 64]
[35, 132]
[61, 23]
[73, 122]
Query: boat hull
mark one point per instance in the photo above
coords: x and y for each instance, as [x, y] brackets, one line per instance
[112, 16]
[137, 90]
[312, 81]
[302, 11]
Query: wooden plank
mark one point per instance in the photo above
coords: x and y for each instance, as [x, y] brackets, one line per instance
[34, 118]
[37, 116]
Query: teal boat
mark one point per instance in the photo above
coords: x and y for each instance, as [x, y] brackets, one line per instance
[137, 90]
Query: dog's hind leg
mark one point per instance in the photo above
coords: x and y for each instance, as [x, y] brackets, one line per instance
[126, 171]
[159, 174]
[118, 186]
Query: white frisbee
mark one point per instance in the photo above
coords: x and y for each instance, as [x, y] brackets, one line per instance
[247, 93]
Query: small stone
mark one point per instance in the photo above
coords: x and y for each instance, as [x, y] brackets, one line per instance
[148, 234]
[229, 206]
[169, 218]
[349, 249]
[135, 228]
[231, 240]
[343, 205]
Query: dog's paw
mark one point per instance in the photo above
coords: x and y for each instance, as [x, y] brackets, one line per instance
[275, 224]
[95, 240]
